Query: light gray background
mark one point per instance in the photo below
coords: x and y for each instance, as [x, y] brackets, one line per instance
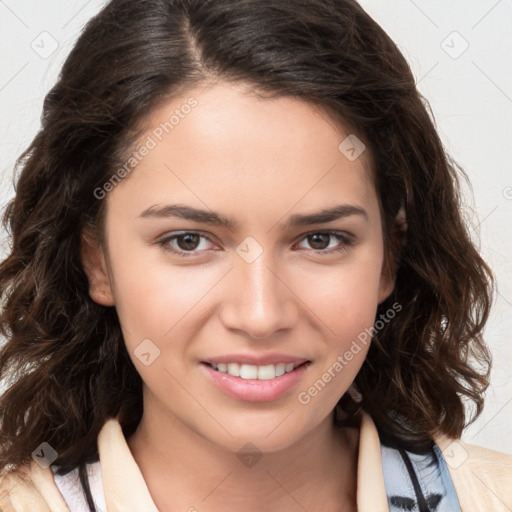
[469, 90]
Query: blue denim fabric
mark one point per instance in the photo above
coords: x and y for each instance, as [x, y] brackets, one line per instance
[432, 476]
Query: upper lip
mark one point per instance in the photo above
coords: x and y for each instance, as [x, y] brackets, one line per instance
[256, 359]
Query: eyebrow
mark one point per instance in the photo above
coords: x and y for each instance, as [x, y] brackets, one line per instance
[215, 219]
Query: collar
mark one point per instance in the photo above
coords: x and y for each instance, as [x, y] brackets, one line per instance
[125, 488]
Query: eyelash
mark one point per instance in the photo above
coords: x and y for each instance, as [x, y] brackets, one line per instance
[346, 240]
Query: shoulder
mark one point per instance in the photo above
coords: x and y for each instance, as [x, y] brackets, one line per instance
[482, 477]
[30, 487]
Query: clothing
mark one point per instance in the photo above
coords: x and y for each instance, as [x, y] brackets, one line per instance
[429, 470]
[71, 489]
[418, 482]
[482, 479]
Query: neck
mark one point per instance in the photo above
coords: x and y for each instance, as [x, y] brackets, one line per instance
[185, 471]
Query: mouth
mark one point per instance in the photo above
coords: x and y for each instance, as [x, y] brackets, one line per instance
[256, 383]
[255, 372]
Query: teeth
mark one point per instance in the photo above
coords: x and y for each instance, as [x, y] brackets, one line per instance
[280, 369]
[266, 372]
[233, 369]
[250, 371]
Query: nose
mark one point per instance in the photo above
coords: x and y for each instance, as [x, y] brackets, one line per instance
[258, 302]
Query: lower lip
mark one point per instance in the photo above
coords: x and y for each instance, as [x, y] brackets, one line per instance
[255, 390]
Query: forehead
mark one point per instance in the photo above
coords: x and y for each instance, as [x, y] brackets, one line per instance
[227, 143]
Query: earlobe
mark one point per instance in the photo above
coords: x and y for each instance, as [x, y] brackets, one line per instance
[389, 269]
[387, 284]
[93, 262]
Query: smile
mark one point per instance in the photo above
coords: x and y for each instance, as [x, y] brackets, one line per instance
[255, 383]
[249, 371]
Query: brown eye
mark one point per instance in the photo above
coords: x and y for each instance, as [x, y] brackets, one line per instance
[184, 244]
[188, 242]
[321, 242]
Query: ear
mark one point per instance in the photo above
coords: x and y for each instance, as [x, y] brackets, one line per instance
[387, 283]
[389, 268]
[93, 261]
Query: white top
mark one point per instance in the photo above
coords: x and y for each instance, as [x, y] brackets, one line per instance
[71, 489]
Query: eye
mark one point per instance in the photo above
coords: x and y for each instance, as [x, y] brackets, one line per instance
[320, 240]
[187, 243]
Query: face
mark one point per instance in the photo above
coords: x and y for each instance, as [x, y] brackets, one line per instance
[240, 305]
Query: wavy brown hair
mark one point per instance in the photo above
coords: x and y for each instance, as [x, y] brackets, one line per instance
[64, 365]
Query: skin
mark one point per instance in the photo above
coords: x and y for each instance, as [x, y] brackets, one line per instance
[259, 161]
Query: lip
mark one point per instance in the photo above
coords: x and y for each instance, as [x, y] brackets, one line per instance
[256, 360]
[255, 390]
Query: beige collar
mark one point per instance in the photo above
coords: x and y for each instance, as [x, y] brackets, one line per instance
[481, 477]
[125, 488]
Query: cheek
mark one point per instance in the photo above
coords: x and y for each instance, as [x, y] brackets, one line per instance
[345, 297]
[344, 303]
[157, 300]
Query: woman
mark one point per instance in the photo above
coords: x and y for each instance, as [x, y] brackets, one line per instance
[239, 275]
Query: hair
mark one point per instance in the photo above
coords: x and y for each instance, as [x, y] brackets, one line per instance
[64, 364]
